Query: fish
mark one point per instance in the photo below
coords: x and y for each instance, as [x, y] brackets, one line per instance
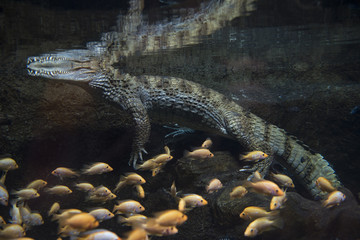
[252, 213]
[58, 190]
[182, 205]
[170, 218]
[278, 201]
[84, 186]
[334, 199]
[35, 219]
[2, 222]
[37, 184]
[155, 171]
[81, 221]
[63, 172]
[65, 214]
[26, 194]
[194, 200]
[3, 177]
[100, 191]
[100, 199]
[15, 213]
[54, 208]
[129, 179]
[207, 143]
[238, 192]
[137, 234]
[97, 168]
[213, 186]
[140, 191]
[4, 195]
[324, 185]
[7, 164]
[282, 180]
[98, 234]
[162, 158]
[147, 165]
[12, 231]
[254, 156]
[265, 187]
[128, 207]
[153, 228]
[201, 153]
[101, 214]
[133, 220]
[261, 225]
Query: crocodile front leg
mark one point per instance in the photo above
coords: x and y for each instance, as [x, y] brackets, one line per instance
[142, 128]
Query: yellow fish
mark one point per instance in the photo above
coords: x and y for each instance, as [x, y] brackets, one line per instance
[140, 191]
[12, 231]
[81, 221]
[101, 214]
[129, 179]
[137, 234]
[238, 192]
[153, 228]
[194, 200]
[54, 208]
[133, 220]
[98, 234]
[213, 185]
[97, 168]
[282, 180]
[207, 143]
[254, 156]
[26, 194]
[63, 172]
[261, 225]
[7, 164]
[201, 153]
[86, 187]
[58, 190]
[334, 198]
[128, 207]
[37, 184]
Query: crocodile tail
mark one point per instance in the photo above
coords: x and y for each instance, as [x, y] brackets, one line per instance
[255, 133]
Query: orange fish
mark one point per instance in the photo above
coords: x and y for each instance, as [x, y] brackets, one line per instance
[254, 156]
[252, 213]
[324, 185]
[97, 168]
[265, 187]
[277, 201]
[170, 218]
[201, 153]
[81, 221]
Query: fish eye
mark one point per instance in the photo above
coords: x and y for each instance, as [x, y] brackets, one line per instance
[201, 200]
[263, 154]
[274, 204]
[276, 190]
[251, 230]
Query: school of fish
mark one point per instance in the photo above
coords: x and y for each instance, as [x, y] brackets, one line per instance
[83, 224]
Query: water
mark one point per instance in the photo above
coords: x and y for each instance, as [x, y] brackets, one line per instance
[296, 65]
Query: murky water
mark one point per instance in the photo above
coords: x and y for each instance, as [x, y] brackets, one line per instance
[296, 65]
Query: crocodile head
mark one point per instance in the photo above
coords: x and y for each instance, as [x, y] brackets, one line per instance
[72, 65]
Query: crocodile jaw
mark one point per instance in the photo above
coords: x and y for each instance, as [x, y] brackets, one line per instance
[73, 65]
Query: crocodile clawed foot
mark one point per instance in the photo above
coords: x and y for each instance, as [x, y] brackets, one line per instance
[178, 131]
[135, 155]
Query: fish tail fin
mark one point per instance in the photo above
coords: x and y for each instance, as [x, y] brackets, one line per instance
[247, 184]
[122, 220]
[119, 185]
[278, 223]
[187, 154]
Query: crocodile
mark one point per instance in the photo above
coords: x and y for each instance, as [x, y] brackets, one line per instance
[170, 99]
